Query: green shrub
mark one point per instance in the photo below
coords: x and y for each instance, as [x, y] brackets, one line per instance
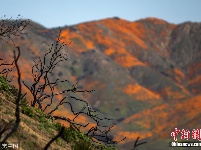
[57, 126]
[71, 134]
[14, 90]
[4, 84]
[78, 140]
[60, 142]
[25, 109]
[82, 146]
[41, 117]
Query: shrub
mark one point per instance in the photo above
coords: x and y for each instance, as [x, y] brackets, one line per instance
[25, 109]
[82, 146]
[4, 84]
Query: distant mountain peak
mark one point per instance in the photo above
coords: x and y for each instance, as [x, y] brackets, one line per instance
[155, 20]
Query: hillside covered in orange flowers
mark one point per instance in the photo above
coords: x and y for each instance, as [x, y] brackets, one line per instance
[146, 74]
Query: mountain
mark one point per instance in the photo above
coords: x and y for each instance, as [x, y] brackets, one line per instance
[146, 74]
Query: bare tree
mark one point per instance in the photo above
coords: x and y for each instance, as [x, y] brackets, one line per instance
[8, 29]
[41, 72]
[17, 101]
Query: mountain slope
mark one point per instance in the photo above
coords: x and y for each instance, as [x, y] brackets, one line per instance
[144, 72]
[33, 132]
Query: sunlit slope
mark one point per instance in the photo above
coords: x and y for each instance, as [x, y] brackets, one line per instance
[141, 47]
[160, 121]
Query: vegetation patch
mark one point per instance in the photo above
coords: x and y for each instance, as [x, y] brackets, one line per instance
[4, 84]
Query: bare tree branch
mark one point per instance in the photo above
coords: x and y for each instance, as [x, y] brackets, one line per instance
[10, 28]
[41, 71]
[6, 67]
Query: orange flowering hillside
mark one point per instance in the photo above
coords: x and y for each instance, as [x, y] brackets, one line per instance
[146, 74]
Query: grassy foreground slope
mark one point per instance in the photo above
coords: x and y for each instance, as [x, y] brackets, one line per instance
[35, 130]
[33, 133]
